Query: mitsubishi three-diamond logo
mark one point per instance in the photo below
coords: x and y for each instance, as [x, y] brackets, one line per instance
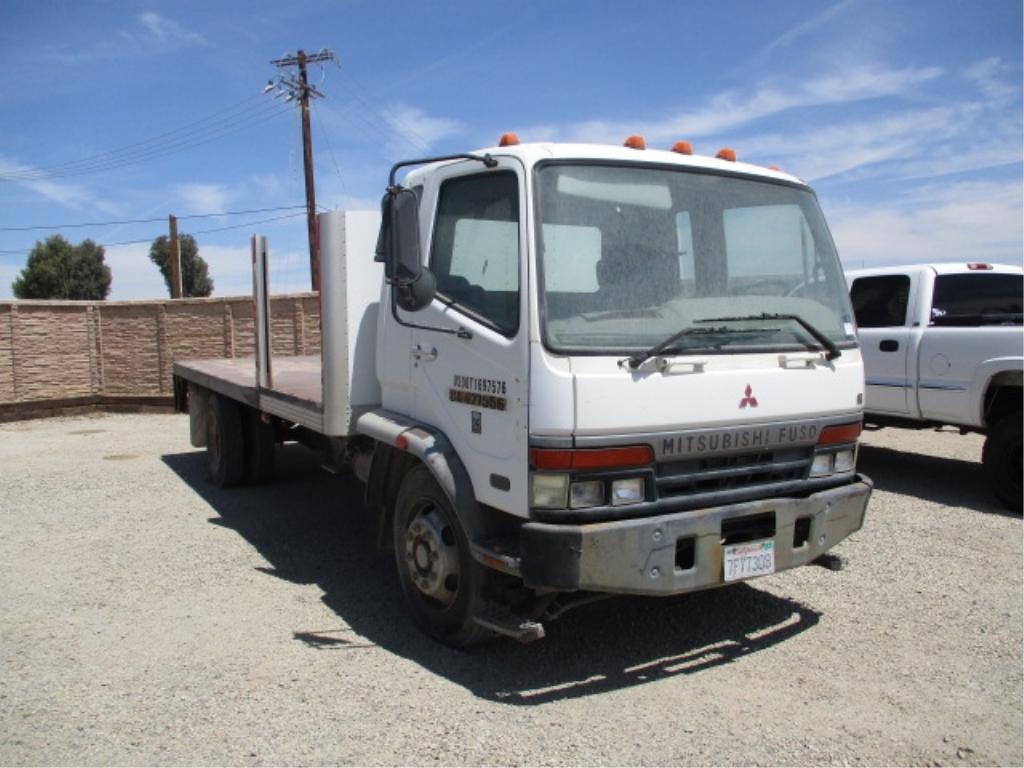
[748, 398]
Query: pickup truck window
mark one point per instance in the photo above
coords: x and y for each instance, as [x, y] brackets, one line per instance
[881, 301]
[977, 299]
[657, 249]
[475, 253]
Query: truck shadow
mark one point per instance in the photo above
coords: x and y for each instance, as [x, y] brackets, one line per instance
[951, 482]
[311, 528]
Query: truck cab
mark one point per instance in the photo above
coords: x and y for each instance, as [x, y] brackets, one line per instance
[636, 372]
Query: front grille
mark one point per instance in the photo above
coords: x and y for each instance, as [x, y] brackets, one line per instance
[725, 473]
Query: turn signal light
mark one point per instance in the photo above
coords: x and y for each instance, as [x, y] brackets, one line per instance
[840, 433]
[508, 140]
[683, 148]
[635, 142]
[591, 458]
[725, 153]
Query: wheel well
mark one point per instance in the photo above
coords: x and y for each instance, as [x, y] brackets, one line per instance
[1003, 396]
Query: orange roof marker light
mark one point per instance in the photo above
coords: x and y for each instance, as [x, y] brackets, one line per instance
[774, 168]
[683, 148]
[725, 153]
[635, 142]
[508, 140]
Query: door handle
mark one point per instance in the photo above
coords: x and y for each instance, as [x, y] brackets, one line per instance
[421, 352]
[889, 345]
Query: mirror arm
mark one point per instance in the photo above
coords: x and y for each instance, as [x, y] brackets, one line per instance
[462, 333]
[486, 159]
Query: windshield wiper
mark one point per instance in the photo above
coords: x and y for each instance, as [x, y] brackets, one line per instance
[635, 361]
[832, 350]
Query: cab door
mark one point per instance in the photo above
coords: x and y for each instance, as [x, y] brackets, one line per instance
[882, 305]
[472, 385]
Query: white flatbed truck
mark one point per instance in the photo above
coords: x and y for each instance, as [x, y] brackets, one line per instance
[613, 370]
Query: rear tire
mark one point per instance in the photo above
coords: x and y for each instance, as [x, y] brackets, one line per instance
[441, 581]
[1002, 460]
[225, 442]
[259, 446]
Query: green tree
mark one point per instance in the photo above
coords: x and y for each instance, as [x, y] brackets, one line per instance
[195, 277]
[58, 270]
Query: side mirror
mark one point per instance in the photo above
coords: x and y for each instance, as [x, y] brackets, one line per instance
[398, 246]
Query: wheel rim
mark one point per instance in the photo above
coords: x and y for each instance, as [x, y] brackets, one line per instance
[432, 557]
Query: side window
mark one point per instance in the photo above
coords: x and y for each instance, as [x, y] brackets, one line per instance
[475, 253]
[880, 302]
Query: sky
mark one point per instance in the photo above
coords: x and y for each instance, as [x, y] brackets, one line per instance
[905, 117]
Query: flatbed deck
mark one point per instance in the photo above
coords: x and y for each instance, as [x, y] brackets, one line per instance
[295, 394]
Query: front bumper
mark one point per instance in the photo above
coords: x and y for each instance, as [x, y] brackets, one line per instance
[639, 556]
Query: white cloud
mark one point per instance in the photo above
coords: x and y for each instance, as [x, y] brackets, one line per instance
[802, 29]
[969, 221]
[133, 275]
[412, 126]
[168, 32]
[204, 198]
[64, 193]
[734, 109]
[824, 151]
[8, 274]
[986, 74]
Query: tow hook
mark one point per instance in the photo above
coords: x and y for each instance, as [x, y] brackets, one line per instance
[516, 627]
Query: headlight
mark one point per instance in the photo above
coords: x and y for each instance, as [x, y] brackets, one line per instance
[846, 460]
[823, 464]
[628, 491]
[549, 491]
[588, 493]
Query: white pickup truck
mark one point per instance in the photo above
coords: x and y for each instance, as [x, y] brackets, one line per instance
[943, 344]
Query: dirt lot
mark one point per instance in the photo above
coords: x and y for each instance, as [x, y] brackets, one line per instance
[149, 618]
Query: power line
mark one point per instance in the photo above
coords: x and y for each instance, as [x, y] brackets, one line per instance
[24, 252]
[148, 221]
[134, 147]
[145, 154]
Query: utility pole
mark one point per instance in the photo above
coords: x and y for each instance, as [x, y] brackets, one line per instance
[302, 91]
[174, 257]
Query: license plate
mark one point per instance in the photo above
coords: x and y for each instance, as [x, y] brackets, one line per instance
[752, 558]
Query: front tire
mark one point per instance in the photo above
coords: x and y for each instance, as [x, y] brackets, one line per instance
[441, 582]
[1002, 461]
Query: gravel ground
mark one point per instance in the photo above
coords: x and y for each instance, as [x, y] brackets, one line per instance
[147, 617]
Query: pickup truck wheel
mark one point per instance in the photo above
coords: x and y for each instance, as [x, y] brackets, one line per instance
[1002, 459]
[225, 442]
[441, 582]
[259, 447]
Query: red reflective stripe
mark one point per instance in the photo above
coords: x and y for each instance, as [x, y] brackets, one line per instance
[591, 458]
[840, 433]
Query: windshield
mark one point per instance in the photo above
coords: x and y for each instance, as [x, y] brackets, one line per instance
[632, 255]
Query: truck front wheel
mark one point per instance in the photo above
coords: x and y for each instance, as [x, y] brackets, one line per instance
[225, 442]
[1002, 458]
[441, 582]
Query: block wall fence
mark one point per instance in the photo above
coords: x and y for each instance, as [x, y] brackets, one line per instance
[58, 355]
